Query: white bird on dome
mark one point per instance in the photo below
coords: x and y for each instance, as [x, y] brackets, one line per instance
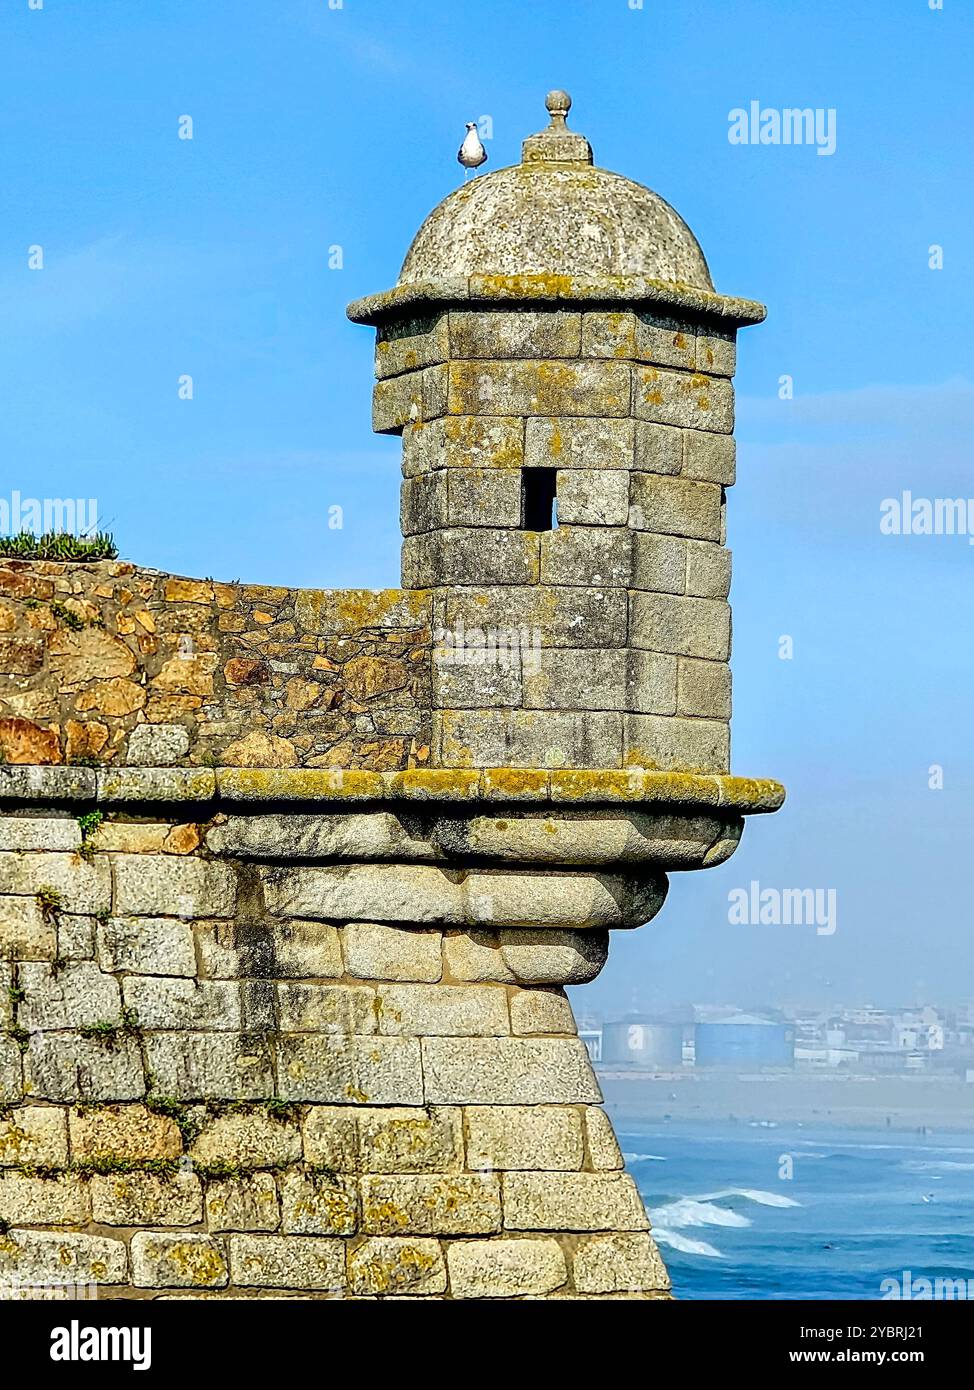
[471, 153]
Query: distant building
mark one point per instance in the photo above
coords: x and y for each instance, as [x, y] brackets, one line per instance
[641, 1041]
[745, 1040]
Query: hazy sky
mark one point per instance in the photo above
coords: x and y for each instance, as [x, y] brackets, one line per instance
[316, 128]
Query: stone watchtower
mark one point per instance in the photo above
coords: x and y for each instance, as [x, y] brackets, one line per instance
[559, 367]
[292, 881]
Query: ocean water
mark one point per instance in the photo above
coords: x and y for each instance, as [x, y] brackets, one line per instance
[858, 1208]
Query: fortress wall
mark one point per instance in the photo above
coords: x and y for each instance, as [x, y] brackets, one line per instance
[108, 663]
[251, 1051]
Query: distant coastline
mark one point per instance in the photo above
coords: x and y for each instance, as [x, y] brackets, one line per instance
[934, 1103]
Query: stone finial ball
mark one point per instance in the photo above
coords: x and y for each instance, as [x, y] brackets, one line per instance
[558, 101]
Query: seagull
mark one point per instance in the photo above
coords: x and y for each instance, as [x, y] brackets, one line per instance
[471, 153]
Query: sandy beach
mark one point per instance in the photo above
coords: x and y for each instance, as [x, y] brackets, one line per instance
[935, 1103]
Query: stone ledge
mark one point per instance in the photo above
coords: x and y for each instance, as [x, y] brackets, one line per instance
[492, 290]
[607, 787]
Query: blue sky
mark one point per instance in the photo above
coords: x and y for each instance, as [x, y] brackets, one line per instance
[315, 127]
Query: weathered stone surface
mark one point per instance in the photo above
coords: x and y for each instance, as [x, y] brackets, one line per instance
[38, 832]
[543, 1137]
[675, 507]
[406, 1140]
[521, 334]
[709, 458]
[150, 885]
[308, 1008]
[507, 1071]
[75, 937]
[366, 894]
[288, 1262]
[475, 679]
[539, 388]
[341, 612]
[323, 835]
[73, 996]
[369, 676]
[579, 443]
[423, 502]
[717, 351]
[704, 688]
[505, 1268]
[677, 745]
[567, 615]
[455, 1204]
[130, 1133]
[404, 347]
[396, 1265]
[335, 1070]
[146, 946]
[27, 932]
[27, 1200]
[551, 220]
[583, 680]
[34, 1135]
[708, 570]
[471, 555]
[644, 337]
[572, 1202]
[529, 738]
[188, 673]
[143, 1199]
[483, 497]
[211, 1005]
[590, 497]
[618, 1264]
[475, 956]
[205, 1066]
[23, 741]
[687, 399]
[318, 1204]
[183, 1261]
[684, 626]
[156, 784]
[409, 399]
[374, 951]
[445, 1010]
[71, 1067]
[550, 899]
[115, 698]
[20, 657]
[61, 1257]
[592, 556]
[253, 1139]
[541, 1011]
[69, 883]
[91, 654]
[465, 441]
[289, 950]
[658, 448]
[259, 749]
[11, 1071]
[330, 1136]
[554, 957]
[246, 1203]
[157, 745]
[603, 1147]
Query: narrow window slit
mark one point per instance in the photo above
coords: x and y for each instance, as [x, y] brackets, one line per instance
[540, 499]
